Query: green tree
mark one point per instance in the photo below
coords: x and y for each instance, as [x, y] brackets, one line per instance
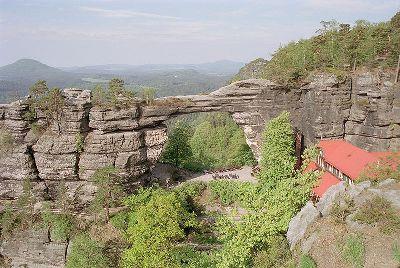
[177, 150]
[109, 190]
[277, 151]
[158, 219]
[148, 94]
[116, 86]
[87, 252]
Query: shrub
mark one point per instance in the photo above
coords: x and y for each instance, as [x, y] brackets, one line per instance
[61, 226]
[109, 190]
[396, 253]
[79, 142]
[86, 252]
[307, 262]
[157, 220]
[277, 152]
[148, 94]
[341, 211]
[354, 251]
[386, 168]
[9, 221]
[381, 212]
[117, 96]
[277, 254]
[177, 150]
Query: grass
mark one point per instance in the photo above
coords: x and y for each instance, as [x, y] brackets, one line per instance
[307, 262]
[340, 212]
[379, 211]
[276, 254]
[354, 251]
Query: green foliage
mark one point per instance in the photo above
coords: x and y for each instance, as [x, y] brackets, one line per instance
[230, 192]
[387, 167]
[49, 101]
[177, 150]
[381, 212]
[9, 221]
[157, 220]
[354, 251]
[271, 204]
[25, 204]
[218, 142]
[336, 49]
[120, 220]
[148, 94]
[61, 226]
[188, 257]
[307, 262]
[396, 253]
[86, 252]
[276, 255]
[109, 190]
[190, 189]
[117, 96]
[277, 151]
[79, 142]
[214, 141]
[6, 142]
[21, 217]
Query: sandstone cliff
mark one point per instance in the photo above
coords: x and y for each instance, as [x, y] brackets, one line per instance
[364, 109]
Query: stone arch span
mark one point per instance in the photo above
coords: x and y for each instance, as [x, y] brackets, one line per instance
[132, 138]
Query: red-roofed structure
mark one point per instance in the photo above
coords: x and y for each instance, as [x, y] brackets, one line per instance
[341, 161]
[327, 180]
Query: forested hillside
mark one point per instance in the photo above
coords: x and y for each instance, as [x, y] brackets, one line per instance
[338, 48]
[207, 141]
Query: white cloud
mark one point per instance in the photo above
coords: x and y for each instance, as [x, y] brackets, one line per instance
[353, 5]
[117, 13]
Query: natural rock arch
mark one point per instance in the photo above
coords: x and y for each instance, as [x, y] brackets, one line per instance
[132, 139]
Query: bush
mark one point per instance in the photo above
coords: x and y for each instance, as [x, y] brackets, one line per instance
[381, 212]
[386, 168]
[158, 219]
[61, 226]
[354, 251]
[117, 96]
[86, 252]
[307, 262]
[396, 253]
[79, 142]
[277, 152]
[277, 254]
[8, 221]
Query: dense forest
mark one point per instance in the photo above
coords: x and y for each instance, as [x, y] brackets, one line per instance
[337, 48]
[206, 141]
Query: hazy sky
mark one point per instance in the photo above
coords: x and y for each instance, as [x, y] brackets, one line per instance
[87, 32]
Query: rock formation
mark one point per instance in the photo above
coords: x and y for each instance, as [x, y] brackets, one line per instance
[364, 110]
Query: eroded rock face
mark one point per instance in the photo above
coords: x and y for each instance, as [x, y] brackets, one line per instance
[364, 110]
[34, 248]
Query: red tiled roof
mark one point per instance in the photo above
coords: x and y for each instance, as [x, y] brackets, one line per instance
[346, 157]
[311, 167]
[327, 180]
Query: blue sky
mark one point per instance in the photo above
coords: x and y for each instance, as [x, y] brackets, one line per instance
[88, 32]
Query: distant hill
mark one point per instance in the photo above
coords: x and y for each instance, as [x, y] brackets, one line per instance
[168, 79]
[20, 75]
[223, 67]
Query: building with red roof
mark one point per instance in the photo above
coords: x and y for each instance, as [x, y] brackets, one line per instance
[339, 160]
